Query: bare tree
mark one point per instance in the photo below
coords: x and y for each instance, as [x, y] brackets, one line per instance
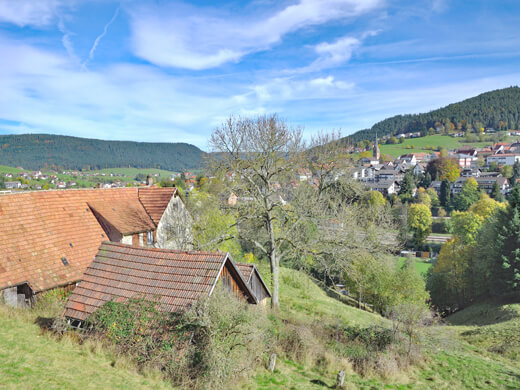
[258, 156]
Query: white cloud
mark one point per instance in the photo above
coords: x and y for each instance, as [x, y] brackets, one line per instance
[167, 36]
[29, 12]
[48, 92]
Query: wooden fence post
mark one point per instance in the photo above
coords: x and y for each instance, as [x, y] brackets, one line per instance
[272, 362]
[340, 379]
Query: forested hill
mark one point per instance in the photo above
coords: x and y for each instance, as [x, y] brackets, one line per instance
[499, 109]
[37, 151]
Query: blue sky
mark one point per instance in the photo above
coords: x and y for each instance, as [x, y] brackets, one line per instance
[168, 71]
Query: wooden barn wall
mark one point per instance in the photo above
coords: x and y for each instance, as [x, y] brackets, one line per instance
[229, 283]
[257, 287]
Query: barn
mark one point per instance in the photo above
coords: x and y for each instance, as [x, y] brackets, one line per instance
[255, 282]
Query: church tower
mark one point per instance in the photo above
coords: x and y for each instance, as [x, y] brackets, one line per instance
[377, 153]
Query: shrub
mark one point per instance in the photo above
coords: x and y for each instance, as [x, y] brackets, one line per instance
[219, 338]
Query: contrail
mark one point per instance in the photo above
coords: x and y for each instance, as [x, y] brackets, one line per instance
[96, 42]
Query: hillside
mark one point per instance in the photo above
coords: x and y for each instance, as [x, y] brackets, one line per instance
[425, 144]
[29, 356]
[40, 151]
[496, 109]
[491, 326]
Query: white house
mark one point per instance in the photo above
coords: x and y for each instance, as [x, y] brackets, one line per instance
[502, 159]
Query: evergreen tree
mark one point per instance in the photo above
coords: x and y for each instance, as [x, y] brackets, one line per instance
[426, 180]
[445, 193]
[516, 173]
[407, 185]
[508, 244]
[496, 194]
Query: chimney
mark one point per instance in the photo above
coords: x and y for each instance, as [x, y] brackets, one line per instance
[149, 181]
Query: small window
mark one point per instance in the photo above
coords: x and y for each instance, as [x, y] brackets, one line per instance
[149, 238]
[64, 261]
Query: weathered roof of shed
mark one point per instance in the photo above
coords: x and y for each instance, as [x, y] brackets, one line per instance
[247, 272]
[174, 279]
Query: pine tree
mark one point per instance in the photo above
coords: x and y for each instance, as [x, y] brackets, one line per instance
[516, 173]
[496, 194]
[407, 184]
[445, 193]
[426, 180]
[508, 244]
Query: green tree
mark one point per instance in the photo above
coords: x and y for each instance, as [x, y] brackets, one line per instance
[407, 185]
[419, 222]
[445, 194]
[516, 173]
[507, 171]
[496, 194]
[468, 195]
[375, 199]
[508, 245]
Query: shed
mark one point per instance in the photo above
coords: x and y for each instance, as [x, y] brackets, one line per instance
[255, 282]
[174, 279]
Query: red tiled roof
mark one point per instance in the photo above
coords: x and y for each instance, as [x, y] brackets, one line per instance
[174, 279]
[155, 200]
[127, 215]
[40, 228]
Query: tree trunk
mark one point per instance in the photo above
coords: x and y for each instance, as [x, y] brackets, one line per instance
[275, 303]
[273, 257]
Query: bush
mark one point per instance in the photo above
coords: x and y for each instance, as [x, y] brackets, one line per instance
[219, 338]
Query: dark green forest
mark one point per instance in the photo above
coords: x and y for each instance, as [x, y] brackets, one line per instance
[45, 151]
[499, 109]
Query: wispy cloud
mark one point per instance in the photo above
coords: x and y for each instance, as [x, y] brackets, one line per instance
[168, 36]
[29, 12]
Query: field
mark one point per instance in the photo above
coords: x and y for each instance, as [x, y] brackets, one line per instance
[421, 143]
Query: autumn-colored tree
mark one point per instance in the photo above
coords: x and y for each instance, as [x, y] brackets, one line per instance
[419, 222]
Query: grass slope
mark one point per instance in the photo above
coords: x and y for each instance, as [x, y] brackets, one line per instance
[454, 358]
[492, 326]
[32, 360]
[450, 362]
[421, 143]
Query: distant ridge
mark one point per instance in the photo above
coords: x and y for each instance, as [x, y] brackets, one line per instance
[494, 109]
[38, 151]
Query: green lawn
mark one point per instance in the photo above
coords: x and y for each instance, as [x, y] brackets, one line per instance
[421, 265]
[421, 143]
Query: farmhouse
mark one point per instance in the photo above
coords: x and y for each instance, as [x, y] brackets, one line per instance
[50, 237]
[173, 279]
[255, 282]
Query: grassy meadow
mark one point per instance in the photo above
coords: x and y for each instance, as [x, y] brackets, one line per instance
[431, 141]
[456, 355]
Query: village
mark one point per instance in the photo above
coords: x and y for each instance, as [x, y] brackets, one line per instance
[483, 164]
